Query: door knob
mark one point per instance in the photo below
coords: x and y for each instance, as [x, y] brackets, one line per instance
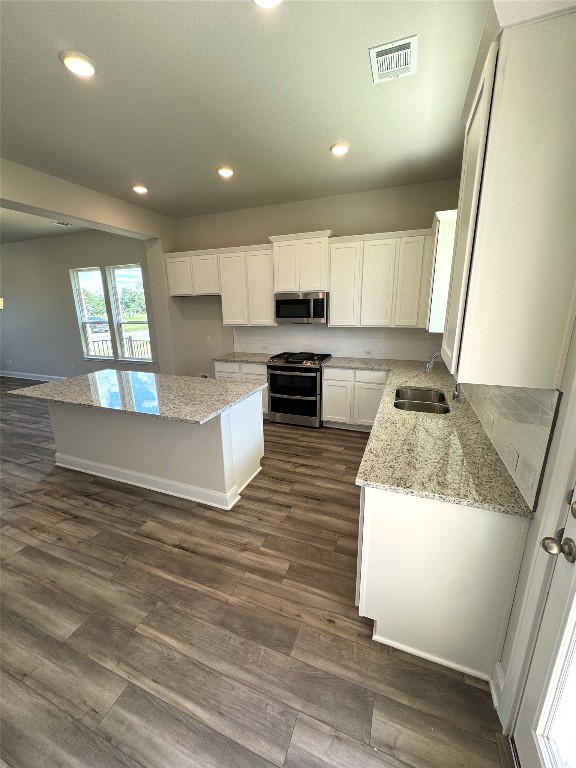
[557, 545]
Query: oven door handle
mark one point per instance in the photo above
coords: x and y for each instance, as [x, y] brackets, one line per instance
[293, 397]
[291, 373]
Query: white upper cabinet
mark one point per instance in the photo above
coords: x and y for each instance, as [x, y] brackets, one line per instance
[381, 282]
[301, 262]
[234, 292]
[378, 282]
[205, 274]
[192, 274]
[521, 293]
[179, 274]
[444, 232]
[470, 178]
[260, 287]
[286, 267]
[345, 283]
[408, 279]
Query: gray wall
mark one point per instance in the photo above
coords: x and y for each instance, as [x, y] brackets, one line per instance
[381, 210]
[40, 332]
[194, 320]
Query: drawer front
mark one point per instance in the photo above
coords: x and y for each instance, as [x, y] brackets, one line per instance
[338, 374]
[231, 376]
[254, 369]
[227, 367]
[372, 377]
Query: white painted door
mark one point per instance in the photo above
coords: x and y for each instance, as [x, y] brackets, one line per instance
[545, 733]
[408, 278]
[378, 268]
[286, 266]
[233, 286]
[337, 401]
[472, 165]
[313, 257]
[205, 276]
[345, 279]
[367, 399]
[260, 285]
[179, 275]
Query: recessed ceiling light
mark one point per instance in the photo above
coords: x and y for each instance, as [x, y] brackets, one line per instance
[339, 149]
[268, 4]
[139, 189]
[225, 172]
[78, 63]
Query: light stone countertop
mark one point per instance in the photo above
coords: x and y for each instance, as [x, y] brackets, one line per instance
[177, 398]
[361, 363]
[447, 457]
[243, 357]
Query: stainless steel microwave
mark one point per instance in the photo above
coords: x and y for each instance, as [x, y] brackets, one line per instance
[301, 307]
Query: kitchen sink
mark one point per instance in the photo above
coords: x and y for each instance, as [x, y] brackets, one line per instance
[421, 406]
[420, 395]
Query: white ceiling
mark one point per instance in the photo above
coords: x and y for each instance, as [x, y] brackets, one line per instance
[183, 87]
[16, 226]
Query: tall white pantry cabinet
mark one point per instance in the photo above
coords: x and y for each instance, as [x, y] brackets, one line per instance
[512, 301]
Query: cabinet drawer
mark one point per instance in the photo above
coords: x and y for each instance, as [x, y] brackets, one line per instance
[254, 369]
[371, 377]
[338, 374]
[227, 367]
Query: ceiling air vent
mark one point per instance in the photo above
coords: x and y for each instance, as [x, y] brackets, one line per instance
[393, 60]
[63, 223]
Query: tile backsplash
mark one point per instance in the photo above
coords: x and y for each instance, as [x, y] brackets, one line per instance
[518, 422]
[389, 343]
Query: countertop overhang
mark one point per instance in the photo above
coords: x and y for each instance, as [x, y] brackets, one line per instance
[177, 398]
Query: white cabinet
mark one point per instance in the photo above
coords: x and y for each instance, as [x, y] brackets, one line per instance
[351, 397]
[301, 262]
[205, 274]
[260, 287]
[378, 270]
[192, 274]
[246, 281]
[244, 372]
[409, 264]
[439, 600]
[233, 285]
[179, 274]
[444, 232]
[521, 293]
[345, 283]
[384, 282]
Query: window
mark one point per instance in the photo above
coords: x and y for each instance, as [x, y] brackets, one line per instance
[112, 315]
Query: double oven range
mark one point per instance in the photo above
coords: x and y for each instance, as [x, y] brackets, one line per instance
[295, 388]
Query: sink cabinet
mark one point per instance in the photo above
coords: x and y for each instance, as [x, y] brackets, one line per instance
[351, 397]
[438, 578]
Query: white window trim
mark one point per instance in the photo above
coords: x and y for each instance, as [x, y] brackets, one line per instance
[113, 314]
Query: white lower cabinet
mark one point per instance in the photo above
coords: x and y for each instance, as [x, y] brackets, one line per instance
[438, 578]
[245, 372]
[351, 397]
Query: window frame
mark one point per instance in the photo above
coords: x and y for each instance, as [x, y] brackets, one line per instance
[113, 314]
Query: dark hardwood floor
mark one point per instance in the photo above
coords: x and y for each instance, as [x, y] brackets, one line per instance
[143, 630]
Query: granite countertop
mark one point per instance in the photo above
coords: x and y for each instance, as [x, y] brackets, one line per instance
[243, 357]
[361, 363]
[447, 457]
[177, 398]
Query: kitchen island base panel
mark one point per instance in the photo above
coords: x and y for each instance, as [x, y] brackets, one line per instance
[209, 463]
[438, 578]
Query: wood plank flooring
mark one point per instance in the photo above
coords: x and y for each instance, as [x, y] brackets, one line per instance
[147, 631]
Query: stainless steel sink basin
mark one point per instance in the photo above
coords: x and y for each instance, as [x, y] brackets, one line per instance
[421, 395]
[422, 407]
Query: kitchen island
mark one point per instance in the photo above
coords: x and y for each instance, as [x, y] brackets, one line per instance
[199, 439]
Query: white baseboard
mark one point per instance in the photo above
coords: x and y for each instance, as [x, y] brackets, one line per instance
[171, 487]
[30, 376]
[430, 657]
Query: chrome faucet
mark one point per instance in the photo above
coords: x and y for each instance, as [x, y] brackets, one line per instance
[430, 363]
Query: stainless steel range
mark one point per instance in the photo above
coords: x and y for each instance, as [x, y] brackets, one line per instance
[295, 388]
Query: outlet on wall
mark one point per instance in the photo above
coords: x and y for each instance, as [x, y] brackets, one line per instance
[208, 340]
